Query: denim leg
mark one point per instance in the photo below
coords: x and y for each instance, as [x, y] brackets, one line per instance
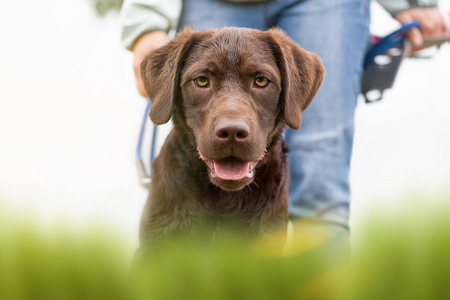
[320, 152]
[205, 14]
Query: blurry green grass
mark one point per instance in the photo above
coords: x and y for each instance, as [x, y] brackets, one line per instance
[404, 255]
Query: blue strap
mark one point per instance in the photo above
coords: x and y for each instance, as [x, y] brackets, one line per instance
[153, 144]
[141, 132]
[394, 39]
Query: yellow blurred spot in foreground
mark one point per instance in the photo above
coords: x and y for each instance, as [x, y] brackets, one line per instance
[303, 236]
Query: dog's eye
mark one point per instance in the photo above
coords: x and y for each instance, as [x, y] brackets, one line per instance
[202, 81]
[261, 82]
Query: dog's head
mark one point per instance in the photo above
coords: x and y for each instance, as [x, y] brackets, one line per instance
[235, 89]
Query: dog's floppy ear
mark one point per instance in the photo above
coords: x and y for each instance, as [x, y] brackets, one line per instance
[302, 74]
[160, 74]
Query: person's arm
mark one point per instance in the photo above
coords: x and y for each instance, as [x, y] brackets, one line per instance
[142, 16]
[145, 27]
[426, 12]
[396, 6]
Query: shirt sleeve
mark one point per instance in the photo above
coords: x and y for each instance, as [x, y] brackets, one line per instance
[396, 6]
[142, 16]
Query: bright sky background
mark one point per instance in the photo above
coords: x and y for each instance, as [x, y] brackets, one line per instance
[70, 114]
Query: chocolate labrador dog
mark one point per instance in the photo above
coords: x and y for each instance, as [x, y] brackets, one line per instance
[230, 92]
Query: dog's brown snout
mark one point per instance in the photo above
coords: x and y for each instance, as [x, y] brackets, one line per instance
[232, 130]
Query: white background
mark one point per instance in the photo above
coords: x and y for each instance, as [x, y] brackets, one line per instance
[70, 114]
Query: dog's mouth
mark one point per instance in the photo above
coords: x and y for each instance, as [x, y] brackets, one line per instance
[231, 168]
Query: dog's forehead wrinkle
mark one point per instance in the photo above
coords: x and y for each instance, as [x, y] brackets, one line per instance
[233, 52]
[233, 46]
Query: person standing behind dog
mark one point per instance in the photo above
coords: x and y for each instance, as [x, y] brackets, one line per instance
[337, 31]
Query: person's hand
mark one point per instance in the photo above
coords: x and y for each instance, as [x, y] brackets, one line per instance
[431, 19]
[143, 46]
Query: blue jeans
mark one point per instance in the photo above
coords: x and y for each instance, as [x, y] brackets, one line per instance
[338, 31]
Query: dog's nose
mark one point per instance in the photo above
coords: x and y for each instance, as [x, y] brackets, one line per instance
[232, 130]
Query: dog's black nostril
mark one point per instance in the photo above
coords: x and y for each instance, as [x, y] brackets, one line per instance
[242, 134]
[230, 130]
[223, 134]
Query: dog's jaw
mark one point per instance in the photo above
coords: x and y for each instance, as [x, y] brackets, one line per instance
[231, 173]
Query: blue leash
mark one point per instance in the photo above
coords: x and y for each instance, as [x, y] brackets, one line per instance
[378, 77]
[397, 38]
[145, 177]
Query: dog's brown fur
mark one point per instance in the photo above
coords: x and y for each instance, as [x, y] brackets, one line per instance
[184, 196]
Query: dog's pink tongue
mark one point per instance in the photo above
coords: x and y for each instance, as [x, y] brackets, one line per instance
[231, 168]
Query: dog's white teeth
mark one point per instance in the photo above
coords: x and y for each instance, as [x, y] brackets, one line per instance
[213, 169]
[251, 167]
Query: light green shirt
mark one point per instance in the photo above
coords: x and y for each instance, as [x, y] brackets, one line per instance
[142, 16]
